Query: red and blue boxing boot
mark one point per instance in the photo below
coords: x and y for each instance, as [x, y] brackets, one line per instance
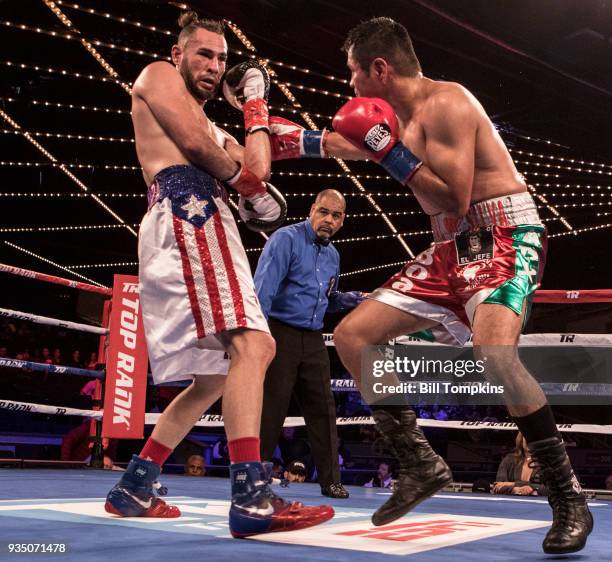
[137, 493]
[256, 509]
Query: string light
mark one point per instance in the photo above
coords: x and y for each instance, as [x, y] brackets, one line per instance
[511, 131]
[75, 195]
[550, 207]
[330, 175]
[52, 70]
[295, 111]
[72, 106]
[365, 215]
[54, 264]
[284, 87]
[105, 265]
[88, 46]
[559, 167]
[577, 230]
[373, 268]
[166, 32]
[559, 158]
[63, 168]
[312, 89]
[572, 205]
[543, 174]
[573, 186]
[27, 229]
[72, 136]
[78, 166]
[115, 18]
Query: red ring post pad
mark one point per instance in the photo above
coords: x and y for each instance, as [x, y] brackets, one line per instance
[126, 364]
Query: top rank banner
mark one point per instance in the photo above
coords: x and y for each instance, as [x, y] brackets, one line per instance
[126, 364]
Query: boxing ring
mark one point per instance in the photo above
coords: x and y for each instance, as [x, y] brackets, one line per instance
[61, 511]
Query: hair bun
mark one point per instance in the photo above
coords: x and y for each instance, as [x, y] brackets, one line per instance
[187, 18]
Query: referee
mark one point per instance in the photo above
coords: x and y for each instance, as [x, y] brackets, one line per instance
[297, 283]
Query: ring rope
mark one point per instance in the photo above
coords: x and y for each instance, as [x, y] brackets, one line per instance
[211, 420]
[46, 368]
[52, 321]
[337, 385]
[54, 279]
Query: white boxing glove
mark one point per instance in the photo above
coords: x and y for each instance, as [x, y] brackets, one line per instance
[263, 212]
[246, 87]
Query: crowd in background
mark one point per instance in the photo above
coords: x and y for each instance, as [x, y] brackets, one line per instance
[360, 456]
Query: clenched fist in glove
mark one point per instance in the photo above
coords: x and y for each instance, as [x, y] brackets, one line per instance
[261, 206]
[290, 140]
[246, 87]
[371, 124]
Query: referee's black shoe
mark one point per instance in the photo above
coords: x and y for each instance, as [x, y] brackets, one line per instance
[337, 491]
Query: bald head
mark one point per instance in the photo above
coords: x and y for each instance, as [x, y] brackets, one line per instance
[195, 466]
[331, 194]
[327, 213]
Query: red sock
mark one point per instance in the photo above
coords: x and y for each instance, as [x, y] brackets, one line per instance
[245, 449]
[155, 451]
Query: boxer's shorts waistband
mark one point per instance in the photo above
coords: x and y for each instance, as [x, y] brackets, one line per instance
[180, 180]
[507, 210]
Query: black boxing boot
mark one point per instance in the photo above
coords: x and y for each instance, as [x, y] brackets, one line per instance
[572, 519]
[422, 472]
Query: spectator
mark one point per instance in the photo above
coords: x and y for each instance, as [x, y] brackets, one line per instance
[277, 468]
[93, 361]
[489, 415]
[3, 351]
[609, 482]
[76, 445]
[515, 474]
[195, 466]
[45, 356]
[57, 356]
[75, 359]
[439, 413]
[110, 465]
[296, 472]
[383, 478]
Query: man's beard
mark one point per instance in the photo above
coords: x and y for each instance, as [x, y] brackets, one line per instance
[192, 85]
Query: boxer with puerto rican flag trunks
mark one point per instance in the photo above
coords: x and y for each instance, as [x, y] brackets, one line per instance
[436, 139]
[196, 288]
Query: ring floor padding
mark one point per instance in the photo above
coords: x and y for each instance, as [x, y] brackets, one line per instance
[66, 506]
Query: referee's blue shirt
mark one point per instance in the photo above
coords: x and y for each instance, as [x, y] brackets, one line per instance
[297, 278]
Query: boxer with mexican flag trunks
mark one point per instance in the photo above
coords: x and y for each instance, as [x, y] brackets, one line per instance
[480, 274]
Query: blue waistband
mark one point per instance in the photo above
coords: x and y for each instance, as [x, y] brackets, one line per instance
[180, 180]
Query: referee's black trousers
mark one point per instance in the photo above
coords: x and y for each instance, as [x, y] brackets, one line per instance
[301, 367]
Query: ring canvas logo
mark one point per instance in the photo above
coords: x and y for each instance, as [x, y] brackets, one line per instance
[349, 530]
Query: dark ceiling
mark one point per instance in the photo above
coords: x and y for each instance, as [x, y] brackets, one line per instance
[542, 69]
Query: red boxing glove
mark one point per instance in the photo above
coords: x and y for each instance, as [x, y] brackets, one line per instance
[246, 183]
[371, 124]
[290, 140]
